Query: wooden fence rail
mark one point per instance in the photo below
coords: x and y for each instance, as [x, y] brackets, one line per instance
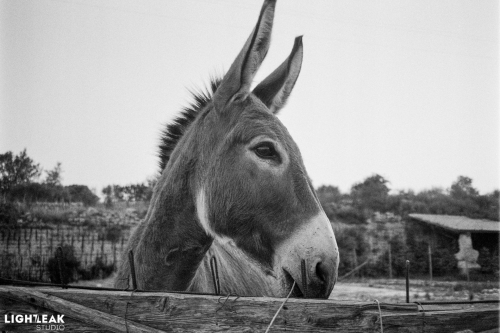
[119, 311]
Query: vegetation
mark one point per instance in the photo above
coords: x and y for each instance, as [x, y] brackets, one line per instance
[64, 265]
[15, 170]
[372, 196]
[19, 182]
[129, 193]
[98, 270]
[21, 188]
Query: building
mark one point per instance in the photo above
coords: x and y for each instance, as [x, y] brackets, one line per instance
[472, 234]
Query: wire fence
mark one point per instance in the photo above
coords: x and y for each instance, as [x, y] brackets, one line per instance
[25, 252]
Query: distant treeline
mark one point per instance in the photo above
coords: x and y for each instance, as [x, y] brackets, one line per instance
[372, 195]
[20, 181]
[129, 193]
[39, 192]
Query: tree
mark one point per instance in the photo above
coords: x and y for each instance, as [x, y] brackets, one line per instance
[15, 170]
[108, 196]
[329, 198]
[462, 188]
[466, 199]
[371, 194]
[54, 176]
[328, 193]
[131, 193]
[118, 192]
[81, 193]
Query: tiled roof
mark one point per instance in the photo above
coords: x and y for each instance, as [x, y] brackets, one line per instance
[458, 223]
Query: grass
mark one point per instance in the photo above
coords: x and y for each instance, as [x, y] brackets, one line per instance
[51, 215]
[56, 214]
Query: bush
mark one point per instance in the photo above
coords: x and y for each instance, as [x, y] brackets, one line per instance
[81, 193]
[350, 240]
[350, 215]
[50, 215]
[99, 270]
[488, 261]
[35, 192]
[380, 267]
[8, 266]
[113, 233]
[8, 213]
[444, 261]
[69, 266]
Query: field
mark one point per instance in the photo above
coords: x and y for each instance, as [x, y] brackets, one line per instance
[385, 290]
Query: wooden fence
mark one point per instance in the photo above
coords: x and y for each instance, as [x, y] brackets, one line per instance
[121, 311]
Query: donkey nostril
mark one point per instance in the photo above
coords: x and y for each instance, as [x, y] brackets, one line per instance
[322, 272]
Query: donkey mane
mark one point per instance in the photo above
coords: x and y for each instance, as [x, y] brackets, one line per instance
[174, 131]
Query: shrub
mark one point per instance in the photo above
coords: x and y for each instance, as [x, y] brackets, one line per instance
[8, 266]
[8, 213]
[444, 261]
[350, 215]
[69, 266]
[51, 215]
[488, 261]
[81, 193]
[99, 270]
[113, 233]
[36, 192]
[350, 240]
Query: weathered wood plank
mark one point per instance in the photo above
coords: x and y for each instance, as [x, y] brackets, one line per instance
[198, 313]
[442, 321]
[180, 312]
[8, 306]
[74, 310]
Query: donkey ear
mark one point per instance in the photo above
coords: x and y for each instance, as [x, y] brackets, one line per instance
[276, 88]
[236, 83]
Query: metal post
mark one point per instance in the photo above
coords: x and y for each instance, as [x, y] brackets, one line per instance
[215, 275]
[390, 261]
[59, 255]
[132, 269]
[303, 270]
[430, 260]
[467, 270]
[407, 281]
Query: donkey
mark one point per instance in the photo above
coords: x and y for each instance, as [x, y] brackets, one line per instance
[234, 187]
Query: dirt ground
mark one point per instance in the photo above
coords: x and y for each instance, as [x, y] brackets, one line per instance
[392, 291]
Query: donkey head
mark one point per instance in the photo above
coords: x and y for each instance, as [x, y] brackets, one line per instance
[252, 189]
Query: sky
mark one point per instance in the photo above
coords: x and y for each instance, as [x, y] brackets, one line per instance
[405, 89]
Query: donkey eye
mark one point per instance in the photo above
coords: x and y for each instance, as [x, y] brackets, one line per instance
[266, 150]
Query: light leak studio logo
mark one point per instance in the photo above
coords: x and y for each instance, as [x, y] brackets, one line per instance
[43, 322]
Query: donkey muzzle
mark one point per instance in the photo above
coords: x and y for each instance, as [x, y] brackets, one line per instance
[311, 258]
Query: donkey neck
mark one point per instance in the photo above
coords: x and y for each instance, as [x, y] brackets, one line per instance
[172, 243]
[238, 273]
